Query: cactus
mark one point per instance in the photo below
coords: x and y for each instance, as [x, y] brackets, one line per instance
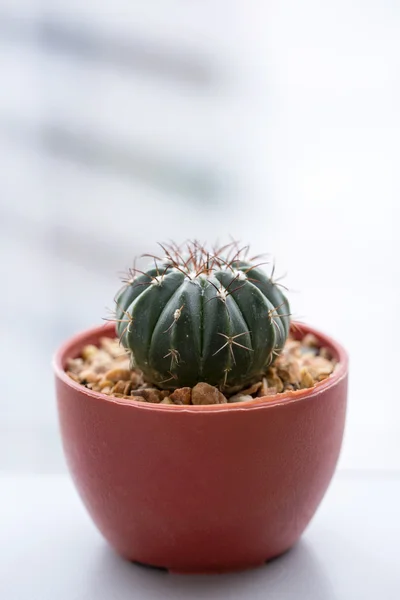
[205, 316]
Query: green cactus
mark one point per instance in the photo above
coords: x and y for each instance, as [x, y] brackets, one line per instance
[202, 316]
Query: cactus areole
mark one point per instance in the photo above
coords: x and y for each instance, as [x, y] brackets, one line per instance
[198, 315]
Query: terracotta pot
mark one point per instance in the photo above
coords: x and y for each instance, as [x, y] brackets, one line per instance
[201, 488]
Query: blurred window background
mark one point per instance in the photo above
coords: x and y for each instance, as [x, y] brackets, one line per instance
[127, 123]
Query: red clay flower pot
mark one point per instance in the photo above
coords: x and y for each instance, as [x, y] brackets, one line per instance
[201, 488]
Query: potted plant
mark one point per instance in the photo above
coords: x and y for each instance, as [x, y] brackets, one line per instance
[205, 440]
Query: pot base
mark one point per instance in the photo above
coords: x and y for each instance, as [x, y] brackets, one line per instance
[212, 570]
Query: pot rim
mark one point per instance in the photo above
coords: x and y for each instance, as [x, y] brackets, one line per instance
[281, 399]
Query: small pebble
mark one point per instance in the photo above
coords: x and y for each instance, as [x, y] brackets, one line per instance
[127, 388]
[325, 353]
[149, 394]
[75, 365]
[203, 393]
[118, 374]
[264, 388]
[104, 383]
[310, 340]
[89, 352]
[181, 395]
[88, 376]
[252, 389]
[138, 398]
[271, 391]
[240, 398]
[274, 380]
[306, 380]
[112, 347]
[118, 387]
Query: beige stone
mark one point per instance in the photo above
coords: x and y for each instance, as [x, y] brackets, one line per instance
[88, 376]
[167, 400]
[310, 340]
[118, 387]
[252, 389]
[148, 394]
[274, 380]
[89, 352]
[240, 398]
[203, 393]
[306, 380]
[181, 395]
[118, 375]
